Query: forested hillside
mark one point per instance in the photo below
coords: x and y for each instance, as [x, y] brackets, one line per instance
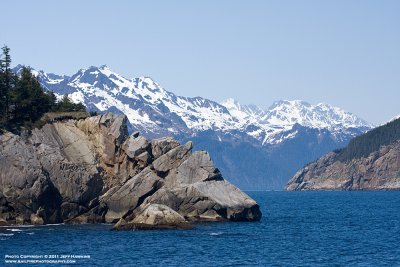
[370, 162]
[363, 145]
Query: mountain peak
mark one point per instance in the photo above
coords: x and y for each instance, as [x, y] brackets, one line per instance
[147, 79]
[291, 103]
[230, 103]
[104, 67]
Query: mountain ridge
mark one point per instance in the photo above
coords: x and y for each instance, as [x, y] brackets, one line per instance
[224, 116]
[226, 129]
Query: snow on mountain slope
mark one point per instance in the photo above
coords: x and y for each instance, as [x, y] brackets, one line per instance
[392, 119]
[284, 114]
[244, 114]
[322, 116]
[152, 109]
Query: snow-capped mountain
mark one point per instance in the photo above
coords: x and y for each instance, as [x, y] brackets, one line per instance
[284, 114]
[146, 104]
[270, 133]
[150, 107]
[392, 119]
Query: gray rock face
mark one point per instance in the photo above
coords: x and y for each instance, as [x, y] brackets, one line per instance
[91, 171]
[197, 168]
[173, 158]
[130, 195]
[135, 146]
[162, 145]
[379, 171]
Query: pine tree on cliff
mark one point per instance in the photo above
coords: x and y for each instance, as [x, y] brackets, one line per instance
[23, 100]
[52, 100]
[28, 98]
[5, 82]
[66, 105]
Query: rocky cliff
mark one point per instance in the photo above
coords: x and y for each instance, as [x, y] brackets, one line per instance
[380, 170]
[91, 171]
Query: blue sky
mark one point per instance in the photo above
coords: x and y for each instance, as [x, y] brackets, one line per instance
[345, 53]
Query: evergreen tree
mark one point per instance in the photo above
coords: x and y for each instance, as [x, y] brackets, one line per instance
[52, 99]
[23, 101]
[363, 145]
[66, 105]
[2, 98]
[5, 82]
[28, 99]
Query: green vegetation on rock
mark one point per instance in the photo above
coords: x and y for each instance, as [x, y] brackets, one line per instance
[23, 101]
[369, 142]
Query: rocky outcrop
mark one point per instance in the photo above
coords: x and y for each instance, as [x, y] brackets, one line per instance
[380, 170]
[91, 171]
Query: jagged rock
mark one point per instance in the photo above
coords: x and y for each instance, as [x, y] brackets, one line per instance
[143, 159]
[106, 133]
[135, 146]
[131, 194]
[198, 167]
[173, 158]
[162, 145]
[90, 171]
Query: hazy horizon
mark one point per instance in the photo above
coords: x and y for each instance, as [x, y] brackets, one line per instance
[343, 53]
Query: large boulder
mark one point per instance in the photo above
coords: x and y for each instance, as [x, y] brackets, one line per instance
[155, 216]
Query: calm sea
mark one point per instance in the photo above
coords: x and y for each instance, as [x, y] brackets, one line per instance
[297, 229]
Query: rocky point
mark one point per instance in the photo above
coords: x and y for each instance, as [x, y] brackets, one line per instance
[91, 171]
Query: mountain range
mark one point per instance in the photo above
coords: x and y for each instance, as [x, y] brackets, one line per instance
[255, 148]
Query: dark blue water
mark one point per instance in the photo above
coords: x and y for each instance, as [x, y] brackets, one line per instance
[297, 229]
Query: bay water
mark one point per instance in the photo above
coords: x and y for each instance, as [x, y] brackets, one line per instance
[297, 229]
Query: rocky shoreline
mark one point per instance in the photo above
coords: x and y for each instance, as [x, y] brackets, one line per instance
[91, 171]
[380, 170]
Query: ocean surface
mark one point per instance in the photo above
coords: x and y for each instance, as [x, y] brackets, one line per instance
[297, 229]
